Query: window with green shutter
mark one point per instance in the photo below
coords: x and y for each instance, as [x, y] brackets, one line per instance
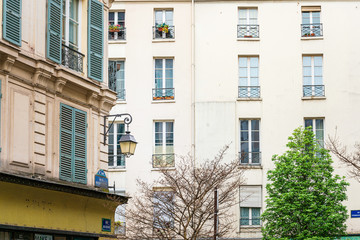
[95, 40]
[73, 128]
[12, 21]
[54, 30]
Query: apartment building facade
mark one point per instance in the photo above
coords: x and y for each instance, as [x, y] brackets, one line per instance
[53, 99]
[197, 75]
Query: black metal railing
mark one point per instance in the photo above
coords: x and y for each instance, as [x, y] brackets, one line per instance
[72, 58]
[163, 33]
[163, 160]
[116, 160]
[312, 30]
[247, 31]
[163, 93]
[250, 158]
[249, 92]
[314, 90]
[117, 34]
[120, 230]
[250, 221]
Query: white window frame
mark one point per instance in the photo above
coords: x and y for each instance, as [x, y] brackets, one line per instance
[250, 201]
[315, 129]
[248, 14]
[250, 92]
[116, 21]
[164, 92]
[114, 136]
[164, 20]
[168, 216]
[248, 28]
[312, 66]
[120, 216]
[122, 63]
[166, 159]
[67, 24]
[250, 141]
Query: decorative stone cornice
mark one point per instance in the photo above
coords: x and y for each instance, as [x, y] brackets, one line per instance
[59, 84]
[7, 62]
[41, 77]
[107, 99]
[91, 98]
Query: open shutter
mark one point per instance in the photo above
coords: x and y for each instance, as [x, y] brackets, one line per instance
[54, 30]
[95, 40]
[66, 142]
[12, 21]
[80, 171]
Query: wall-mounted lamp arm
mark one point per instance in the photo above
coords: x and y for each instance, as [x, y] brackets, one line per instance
[127, 121]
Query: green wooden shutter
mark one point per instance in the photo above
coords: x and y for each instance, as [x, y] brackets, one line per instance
[54, 30]
[66, 142]
[95, 40]
[12, 21]
[0, 114]
[80, 147]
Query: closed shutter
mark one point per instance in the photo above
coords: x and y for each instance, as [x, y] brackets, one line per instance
[54, 30]
[250, 196]
[95, 40]
[12, 21]
[72, 144]
[66, 142]
[80, 147]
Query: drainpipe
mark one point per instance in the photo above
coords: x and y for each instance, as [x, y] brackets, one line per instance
[193, 79]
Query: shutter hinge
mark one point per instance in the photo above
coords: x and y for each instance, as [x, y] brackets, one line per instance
[87, 125]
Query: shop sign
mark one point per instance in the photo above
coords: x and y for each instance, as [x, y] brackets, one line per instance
[106, 225]
[43, 237]
[101, 180]
[355, 213]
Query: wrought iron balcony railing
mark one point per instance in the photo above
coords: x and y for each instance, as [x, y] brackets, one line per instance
[116, 160]
[163, 93]
[250, 158]
[247, 31]
[163, 160]
[250, 221]
[312, 30]
[314, 90]
[117, 34]
[72, 58]
[120, 92]
[164, 33]
[249, 92]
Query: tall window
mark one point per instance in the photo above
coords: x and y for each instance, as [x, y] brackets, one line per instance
[73, 128]
[248, 23]
[115, 157]
[250, 205]
[250, 142]
[311, 26]
[163, 209]
[249, 77]
[317, 125]
[312, 76]
[164, 25]
[120, 219]
[164, 89]
[70, 24]
[117, 78]
[117, 26]
[164, 145]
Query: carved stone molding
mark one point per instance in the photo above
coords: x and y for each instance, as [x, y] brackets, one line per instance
[7, 62]
[91, 98]
[59, 84]
[41, 77]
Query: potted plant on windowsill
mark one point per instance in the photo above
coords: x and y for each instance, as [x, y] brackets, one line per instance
[115, 28]
[163, 27]
[247, 36]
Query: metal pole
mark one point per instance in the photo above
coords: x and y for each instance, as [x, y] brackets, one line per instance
[215, 213]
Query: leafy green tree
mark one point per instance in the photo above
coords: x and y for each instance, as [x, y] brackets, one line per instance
[304, 197]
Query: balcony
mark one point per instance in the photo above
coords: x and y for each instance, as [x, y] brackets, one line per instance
[249, 92]
[311, 30]
[163, 160]
[72, 58]
[114, 85]
[248, 31]
[163, 93]
[163, 32]
[119, 34]
[314, 91]
[116, 160]
[250, 158]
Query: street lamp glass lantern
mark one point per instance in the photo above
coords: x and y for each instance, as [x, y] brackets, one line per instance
[127, 144]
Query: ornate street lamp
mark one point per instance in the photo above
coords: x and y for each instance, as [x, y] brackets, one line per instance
[127, 141]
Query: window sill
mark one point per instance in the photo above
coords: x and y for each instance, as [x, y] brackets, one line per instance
[313, 98]
[250, 228]
[248, 39]
[116, 41]
[312, 38]
[163, 101]
[120, 101]
[249, 166]
[163, 168]
[249, 99]
[117, 169]
[163, 40]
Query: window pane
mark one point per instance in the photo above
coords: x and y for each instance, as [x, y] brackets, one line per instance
[244, 124]
[121, 16]
[254, 62]
[244, 136]
[169, 17]
[306, 61]
[244, 147]
[74, 10]
[243, 62]
[308, 122]
[244, 216]
[158, 17]
[243, 72]
[315, 17]
[255, 215]
[255, 136]
[255, 124]
[306, 17]
[318, 60]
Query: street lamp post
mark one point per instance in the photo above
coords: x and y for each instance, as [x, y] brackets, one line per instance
[127, 141]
